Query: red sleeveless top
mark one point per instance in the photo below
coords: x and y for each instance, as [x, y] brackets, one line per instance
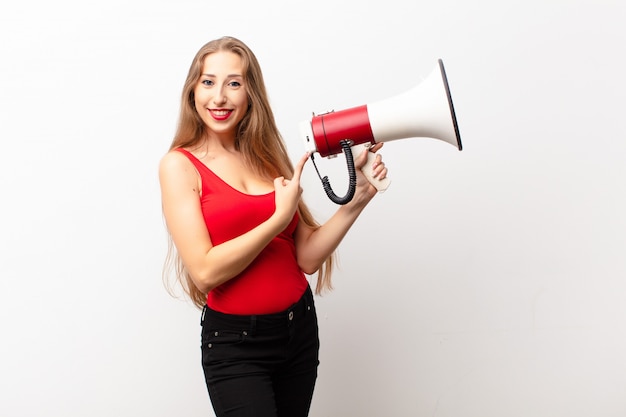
[273, 281]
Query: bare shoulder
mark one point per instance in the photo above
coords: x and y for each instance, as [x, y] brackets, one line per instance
[175, 167]
[173, 161]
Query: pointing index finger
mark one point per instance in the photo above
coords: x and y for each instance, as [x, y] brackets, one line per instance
[300, 166]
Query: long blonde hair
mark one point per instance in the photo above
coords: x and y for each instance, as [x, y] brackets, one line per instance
[258, 140]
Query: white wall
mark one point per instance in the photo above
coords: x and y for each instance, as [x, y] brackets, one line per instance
[487, 283]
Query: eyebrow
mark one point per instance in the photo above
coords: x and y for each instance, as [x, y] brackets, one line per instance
[228, 76]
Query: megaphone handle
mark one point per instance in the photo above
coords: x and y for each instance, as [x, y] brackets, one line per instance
[380, 185]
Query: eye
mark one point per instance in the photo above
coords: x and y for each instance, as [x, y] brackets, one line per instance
[234, 84]
[208, 83]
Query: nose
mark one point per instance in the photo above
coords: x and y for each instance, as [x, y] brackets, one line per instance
[220, 97]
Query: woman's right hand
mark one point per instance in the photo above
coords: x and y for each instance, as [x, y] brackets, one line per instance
[288, 192]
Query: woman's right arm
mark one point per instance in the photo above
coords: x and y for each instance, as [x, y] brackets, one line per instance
[209, 265]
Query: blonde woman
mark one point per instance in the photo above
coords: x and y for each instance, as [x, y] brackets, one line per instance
[243, 239]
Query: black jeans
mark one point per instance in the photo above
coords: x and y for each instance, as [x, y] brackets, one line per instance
[264, 365]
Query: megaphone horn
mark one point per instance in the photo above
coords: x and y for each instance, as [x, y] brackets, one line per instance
[425, 111]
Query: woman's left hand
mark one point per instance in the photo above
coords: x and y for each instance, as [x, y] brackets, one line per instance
[365, 191]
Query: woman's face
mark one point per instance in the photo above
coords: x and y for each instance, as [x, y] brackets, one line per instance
[220, 96]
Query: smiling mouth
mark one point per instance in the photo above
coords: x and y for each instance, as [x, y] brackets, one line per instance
[220, 114]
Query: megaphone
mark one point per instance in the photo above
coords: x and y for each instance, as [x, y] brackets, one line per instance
[425, 111]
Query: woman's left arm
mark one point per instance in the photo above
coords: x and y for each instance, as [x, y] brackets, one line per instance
[315, 245]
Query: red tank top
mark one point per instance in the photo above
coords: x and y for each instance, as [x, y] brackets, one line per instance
[273, 281]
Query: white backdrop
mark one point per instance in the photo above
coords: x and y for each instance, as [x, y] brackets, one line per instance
[484, 283]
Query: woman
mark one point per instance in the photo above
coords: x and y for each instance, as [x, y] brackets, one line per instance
[244, 239]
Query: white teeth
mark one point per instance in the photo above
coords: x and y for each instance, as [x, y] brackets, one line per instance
[220, 112]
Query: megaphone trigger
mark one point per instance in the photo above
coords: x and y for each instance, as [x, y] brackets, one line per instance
[368, 170]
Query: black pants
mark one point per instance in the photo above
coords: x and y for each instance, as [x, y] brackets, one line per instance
[261, 366]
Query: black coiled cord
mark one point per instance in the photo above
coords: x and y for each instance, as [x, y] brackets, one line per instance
[345, 145]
